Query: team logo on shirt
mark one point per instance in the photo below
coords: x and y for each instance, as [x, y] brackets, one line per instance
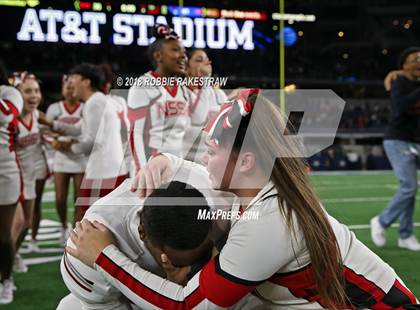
[29, 140]
[172, 108]
[69, 120]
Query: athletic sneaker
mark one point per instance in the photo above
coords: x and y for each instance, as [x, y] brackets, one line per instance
[14, 288]
[19, 265]
[6, 292]
[33, 247]
[377, 232]
[409, 243]
[65, 234]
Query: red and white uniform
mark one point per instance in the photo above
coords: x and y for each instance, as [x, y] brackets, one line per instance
[11, 104]
[122, 110]
[158, 119]
[67, 162]
[205, 105]
[99, 133]
[260, 256]
[119, 211]
[31, 154]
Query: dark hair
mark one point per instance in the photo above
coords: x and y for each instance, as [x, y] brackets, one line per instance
[171, 222]
[107, 72]
[91, 72]
[161, 33]
[3, 74]
[155, 46]
[193, 50]
[405, 53]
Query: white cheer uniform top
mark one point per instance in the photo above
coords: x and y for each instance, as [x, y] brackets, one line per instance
[100, 138]
[158, 117]
[67, 162]
[11, 105]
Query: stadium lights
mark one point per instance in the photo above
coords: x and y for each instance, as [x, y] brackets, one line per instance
[97, 6]
[128, 8]
[294, 17]
[290, 88]
[19, 3]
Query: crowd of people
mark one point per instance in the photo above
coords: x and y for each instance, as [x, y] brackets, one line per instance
[125, 251]
[86, 138]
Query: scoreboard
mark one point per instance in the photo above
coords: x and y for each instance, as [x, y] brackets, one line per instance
[130, 24]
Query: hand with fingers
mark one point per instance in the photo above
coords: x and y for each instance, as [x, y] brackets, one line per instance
[63, 146]
[178, 275]
[390, 77]
[43, 119]
[90, 239]
[154, 174]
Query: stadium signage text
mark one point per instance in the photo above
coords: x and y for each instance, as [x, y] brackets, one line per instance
[48, 25]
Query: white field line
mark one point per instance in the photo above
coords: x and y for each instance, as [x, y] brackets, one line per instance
[358, 199]
[354, 173]
[41, 260]
[353, 186]
[42, 250]
[367, 226]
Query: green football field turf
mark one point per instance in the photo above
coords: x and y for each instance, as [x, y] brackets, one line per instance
[352, 199]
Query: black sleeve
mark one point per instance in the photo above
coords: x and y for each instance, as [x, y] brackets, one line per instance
[402, 97]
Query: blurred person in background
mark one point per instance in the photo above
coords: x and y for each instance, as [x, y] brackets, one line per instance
[97, 135]
[11, 104]
[66, 165]
[159, 115]
[206, 103]
[31, 157]
[402, 146]
[122, 108]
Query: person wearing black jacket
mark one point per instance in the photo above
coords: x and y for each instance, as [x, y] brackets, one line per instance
[402, 146]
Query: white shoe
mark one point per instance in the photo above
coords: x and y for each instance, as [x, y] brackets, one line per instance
[14, 288]
[33, 247]
[377, 232]
[6, 292]
[19, 265]
[65, 234]
[409, 243]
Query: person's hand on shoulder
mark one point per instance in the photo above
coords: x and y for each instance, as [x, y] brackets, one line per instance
[90, 239]
[154, 174]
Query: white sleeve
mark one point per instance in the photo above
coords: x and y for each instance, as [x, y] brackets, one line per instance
[13, 96]
[142, 124]
[53, 111]
[220, 96]
[222, 282]
[6, 115]
[199, 106]
[92, 117]
[146, 290]
[74, 130]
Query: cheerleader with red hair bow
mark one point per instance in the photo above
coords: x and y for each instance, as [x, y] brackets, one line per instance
[159, 115]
